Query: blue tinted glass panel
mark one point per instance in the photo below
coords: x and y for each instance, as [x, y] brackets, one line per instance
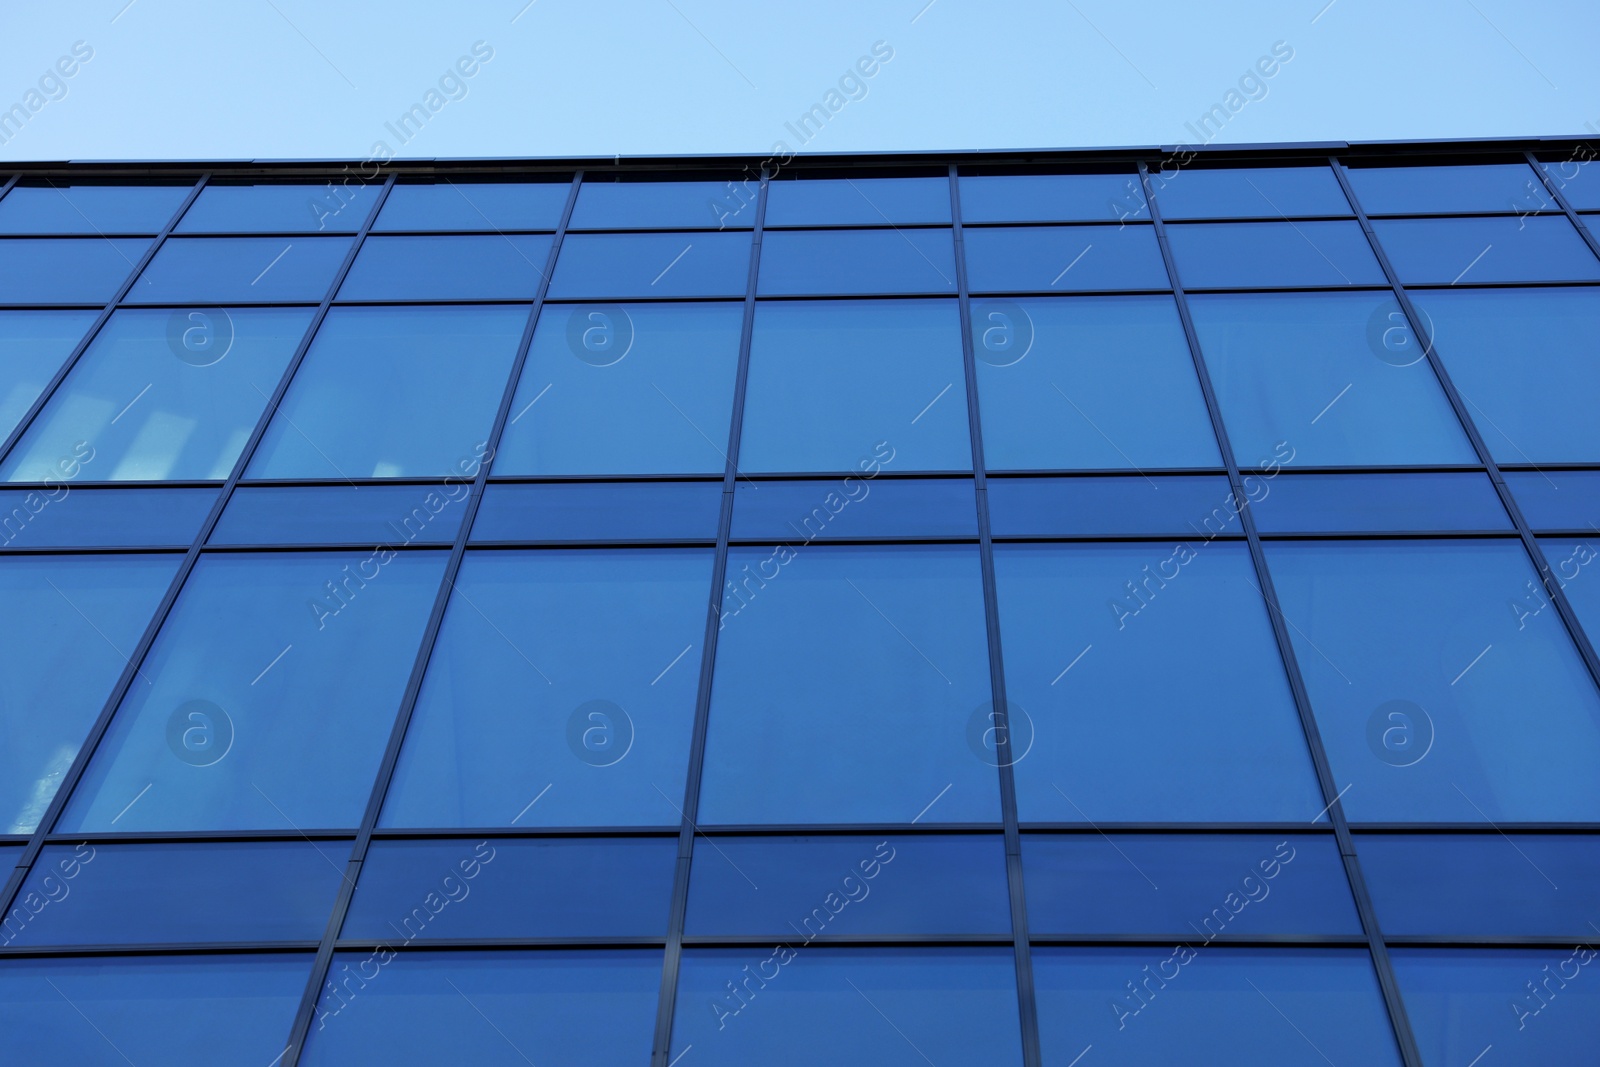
[394, 393]
[1577, 180]
[1474, 251]
[69, 622]
[625, 389]
[80, 270]
[102, 518]
[1274, 1007]
[856, 386]
[1064, 258]
[550, 887]
[150, 1009]
[1518, 885]
[1532, 1004]
[825, 262]
[232, 891]
[1250, 254]
[848, 681]
[280, 208]
[1250, 192]
[509, 1008]
[808, 511]
[653, 205]
[97, 209]
[1056, 379]
[891, 1007]
[1424, 190]
[624, 266]
[268, 697]
[1080, 621]
[447, 268]
[1051, 198]
[1318, 503]
[161, 395]
[921, 885]
[453, 205]
[1569, 560]
[1422, 659]
[344, 514]
[600, 511]
[1098, 507]
[1503, 350]
[561, 692]
[33, 346]
[1215, 885]
[251, 270]
[1327, 378]
[858, 201]
[1556, 500]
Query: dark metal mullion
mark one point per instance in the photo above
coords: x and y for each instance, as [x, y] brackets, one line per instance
[1563, 203]
[1000, 708]
[673, 955]
[1388, 984]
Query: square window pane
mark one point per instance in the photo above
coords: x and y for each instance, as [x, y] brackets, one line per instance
[1063, 258]
[161, 395]
[1056, 376]
[1422, 660]
[467, 205]
[1328, 503]
[1448, 251]
[1272, 254]
[401, 392]
[621, 266]
[66, 270]
[447, 268]
[807, 201]
[268, 697]
[1051, 197]
[850, 684]
[66, 207]
[822, 510]
[251, 270]
[1102, 507]
[599, 511]
[343, 514]
[625, 389]
[102, 517]
[1250, 192]
[1079, 621]
[1424, 190]
[281, 207]
[627, 204]
[561, 692]
[825, 262]
[1556, 500]
[855, 386]
[33, 346]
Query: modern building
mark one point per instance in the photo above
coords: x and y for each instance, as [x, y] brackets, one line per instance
[1050, 608]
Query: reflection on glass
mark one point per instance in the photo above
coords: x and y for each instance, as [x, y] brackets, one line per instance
[33, 346]
[249, 270]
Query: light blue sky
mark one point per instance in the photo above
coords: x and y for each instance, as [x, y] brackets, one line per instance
[207, 79]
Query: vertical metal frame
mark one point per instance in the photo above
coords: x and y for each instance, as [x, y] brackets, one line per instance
[1561, 201]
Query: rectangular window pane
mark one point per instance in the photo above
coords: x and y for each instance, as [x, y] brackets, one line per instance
[1063, 258]
[251, 270]
[1051, 197]
[809, 201]
[1102, 507]
[1578, 181]
[630, 204]
[33, 346]
[621, 266]
[1250, 192]
[825, 262]
[72, 207]
[1568, 560]
[1328, 503]
[817, 510]
[1273, 254]
[102, 518]
[1473, 251]
[467, 205]
[1556, 500]
[600, 511]
[1423, 190]
[343, 514]
[447, 268]
[66, 270]
[281, 207]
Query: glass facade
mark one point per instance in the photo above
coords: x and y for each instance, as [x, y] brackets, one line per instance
[1047, 611]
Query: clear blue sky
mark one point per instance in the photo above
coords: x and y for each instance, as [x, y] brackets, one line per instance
[202, 79]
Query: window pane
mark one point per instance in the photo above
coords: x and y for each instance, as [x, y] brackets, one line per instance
[550, 887]
[635, 389]
[1422, 190]
[1504, 348]
[161, 395]
[452, 205]
[252, 270]
[600, 511]
[847, 687]
[927, 885]
[1055, 378]
[102, 518]
[566, 678]
[1183, 884]
[857, 201]
[33, 346]
[849, 385]
[1325, 503]
[280, 208]
[394, 393]
[1421, 680]
[1064, 258]
[890, 1007]
[1566, 559]
[825, 262]
[818, 510]
[653, 205]
[447, 268]
[268, 697]
[1337, 376]
[1272, 254]
[232, 891]
[1115, 506]
[621, 266]
[1050, 197]
[343, 514]
[1578, 182]
[1273, 1007]
[1250, 192]
[1447, 251]
[66, 270]
[150, 1009]
[508, 1008]
[63, 207]
[1556, 500]
[72, 619]
[1079, 621]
